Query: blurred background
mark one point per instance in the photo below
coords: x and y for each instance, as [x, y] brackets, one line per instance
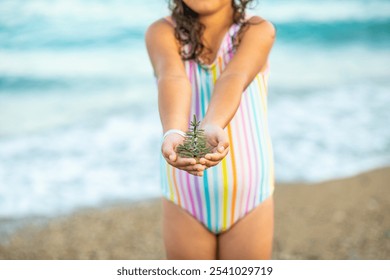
[79, 125]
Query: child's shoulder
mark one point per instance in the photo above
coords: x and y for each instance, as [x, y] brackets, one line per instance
[161, 35]
[162, 24]
[260, 26]
[159, 28]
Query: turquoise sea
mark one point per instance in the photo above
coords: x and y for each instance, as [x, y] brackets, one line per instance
[79, 125]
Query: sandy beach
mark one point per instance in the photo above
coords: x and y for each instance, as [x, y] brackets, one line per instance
[338, 219]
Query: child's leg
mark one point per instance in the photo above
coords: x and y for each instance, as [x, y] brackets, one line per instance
[251, 237]
[184, 236]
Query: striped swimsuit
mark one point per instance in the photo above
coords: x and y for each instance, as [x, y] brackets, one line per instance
[245, 177]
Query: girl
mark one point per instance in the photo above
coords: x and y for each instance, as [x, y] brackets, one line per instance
[211, 60]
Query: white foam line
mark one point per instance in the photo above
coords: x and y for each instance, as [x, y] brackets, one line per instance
[123, 11]
[80, 63]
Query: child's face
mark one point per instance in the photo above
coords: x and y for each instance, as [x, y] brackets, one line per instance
[205, 7]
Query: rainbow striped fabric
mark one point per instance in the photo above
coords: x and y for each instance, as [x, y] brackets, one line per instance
[245, 177]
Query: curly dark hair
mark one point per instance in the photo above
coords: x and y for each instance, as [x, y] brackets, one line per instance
[189, 30]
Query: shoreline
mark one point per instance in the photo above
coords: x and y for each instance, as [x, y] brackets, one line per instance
[337, 219]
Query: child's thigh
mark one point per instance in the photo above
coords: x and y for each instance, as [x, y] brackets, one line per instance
[251, 237]
[184, 236]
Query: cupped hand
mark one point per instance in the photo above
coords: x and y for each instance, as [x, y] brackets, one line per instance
[219, 143]
[168, 149]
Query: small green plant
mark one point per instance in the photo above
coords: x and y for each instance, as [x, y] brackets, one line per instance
[195, 143]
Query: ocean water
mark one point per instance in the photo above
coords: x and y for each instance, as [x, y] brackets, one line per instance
[79, 125]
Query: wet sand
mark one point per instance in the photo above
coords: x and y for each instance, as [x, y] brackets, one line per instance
[338, 219]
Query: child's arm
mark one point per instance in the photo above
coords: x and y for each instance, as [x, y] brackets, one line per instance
[249, 60]
[174, 91]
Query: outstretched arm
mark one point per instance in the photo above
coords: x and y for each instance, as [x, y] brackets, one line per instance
[251, 57]
[174, 91]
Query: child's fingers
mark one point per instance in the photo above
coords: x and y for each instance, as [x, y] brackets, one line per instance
[168, 153]
[170, 157]
[222, 146]
[223, 142]
[193, 168]
[196, 173]
[218, 156]
[208, 163]
[184, 162]
[213, 159]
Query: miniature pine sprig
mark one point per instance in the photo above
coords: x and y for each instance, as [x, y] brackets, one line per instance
[195, 143]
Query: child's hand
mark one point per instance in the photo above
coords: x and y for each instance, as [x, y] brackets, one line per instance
[187, 164]
[219, 142]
